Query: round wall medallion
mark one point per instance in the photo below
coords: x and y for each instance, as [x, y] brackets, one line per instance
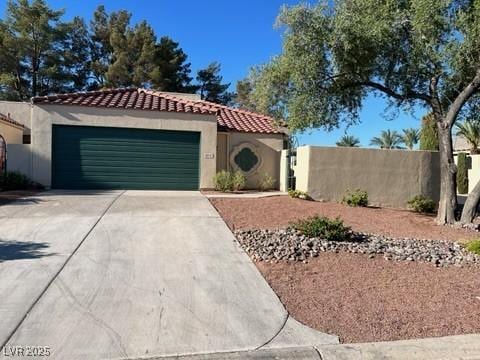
[245, 158]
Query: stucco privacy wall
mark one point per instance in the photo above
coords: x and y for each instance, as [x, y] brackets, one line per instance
[19, 111]
[47, 115]
[267, 146]
[391, 177]
[20, 158]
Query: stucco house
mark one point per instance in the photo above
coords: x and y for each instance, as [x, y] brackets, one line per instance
[136, 138]
[11, 130]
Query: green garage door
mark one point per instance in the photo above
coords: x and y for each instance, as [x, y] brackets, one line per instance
[85, 157]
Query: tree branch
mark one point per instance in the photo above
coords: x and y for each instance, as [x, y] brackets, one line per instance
[462, 98]
[386, 90]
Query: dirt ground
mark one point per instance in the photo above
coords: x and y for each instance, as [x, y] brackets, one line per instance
[363, 300]
[280, 211]
[358, 298]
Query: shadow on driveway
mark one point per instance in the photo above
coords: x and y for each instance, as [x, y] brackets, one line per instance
[20, 250]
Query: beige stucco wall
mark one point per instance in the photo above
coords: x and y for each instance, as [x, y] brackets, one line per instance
[19, 111]
[46, 115]
[391, 177]
[20, 158]
[12, 134]
[267, 146]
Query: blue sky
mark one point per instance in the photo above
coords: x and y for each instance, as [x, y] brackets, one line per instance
[238, 34]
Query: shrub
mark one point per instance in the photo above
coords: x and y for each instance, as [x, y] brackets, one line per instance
[421, 204]
[323, 227]
[462, 174]
[355, 198]
[474, 246]
[226, 181]
[223, 181]
[14, 180]
[297, 194]
[266, 182]
[238, 181]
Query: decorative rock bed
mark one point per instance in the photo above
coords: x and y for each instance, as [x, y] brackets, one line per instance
[291, 245]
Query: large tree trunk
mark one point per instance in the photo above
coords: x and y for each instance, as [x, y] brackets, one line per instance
[448, 173]
[470, 208]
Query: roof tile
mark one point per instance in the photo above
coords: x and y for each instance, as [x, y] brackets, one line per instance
[228, 118]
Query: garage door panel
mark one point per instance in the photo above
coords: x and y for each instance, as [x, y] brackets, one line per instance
[100, 157]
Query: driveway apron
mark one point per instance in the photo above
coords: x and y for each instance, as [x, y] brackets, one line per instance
[159, 274]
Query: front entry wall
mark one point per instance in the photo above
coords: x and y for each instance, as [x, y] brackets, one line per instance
[267, 147]
[45, 116]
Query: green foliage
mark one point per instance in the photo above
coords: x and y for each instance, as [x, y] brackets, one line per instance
[462, 173]
[357, 197]
[238, 180]
[470, 130]
[348, 141]
[473, 246]
[172, 72]
[324, 228]
[429, 133]
[41, 54]
[266, 182]
[421, 204]
[410, 137]
[227, 181]
[334, 56]
[387, 140]
[211, 87]
[298, 194]
[242, 96]
[14, 180]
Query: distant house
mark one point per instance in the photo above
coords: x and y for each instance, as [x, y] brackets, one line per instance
[460, 144]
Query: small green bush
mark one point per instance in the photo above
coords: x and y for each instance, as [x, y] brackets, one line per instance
[266, 182]
[226, 181]
[14, 180]
[421, 204]
[238, 181]
[323, 227]
[357, 197]
[474, 246]
[462, 174]
[223, 181]
[297, 194]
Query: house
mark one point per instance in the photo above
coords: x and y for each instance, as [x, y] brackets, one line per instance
[136, 138]
[11, 130]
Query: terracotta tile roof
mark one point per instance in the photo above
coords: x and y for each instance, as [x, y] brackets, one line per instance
[8, 119]
[229, 119]
[232, 119]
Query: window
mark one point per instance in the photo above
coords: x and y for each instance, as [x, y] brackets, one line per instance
[245, 158]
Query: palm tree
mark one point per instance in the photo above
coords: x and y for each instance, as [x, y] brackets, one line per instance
[348, 141]
[410, 137]
[470, 130]
[388, 139]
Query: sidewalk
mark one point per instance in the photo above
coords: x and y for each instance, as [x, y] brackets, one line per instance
[461, 347]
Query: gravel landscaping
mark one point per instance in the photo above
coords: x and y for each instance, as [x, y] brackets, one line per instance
[280, 211]
[290, 245]
[349, 289]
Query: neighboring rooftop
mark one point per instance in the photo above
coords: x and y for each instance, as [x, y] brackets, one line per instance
[461, 144]
[8, 119]
[228, 118]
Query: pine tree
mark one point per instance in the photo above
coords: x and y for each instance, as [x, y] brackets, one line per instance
[211, 87]
[429, 133]
[32, 33]
[172, 71]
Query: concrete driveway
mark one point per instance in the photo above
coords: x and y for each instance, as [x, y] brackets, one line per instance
[115, 274]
